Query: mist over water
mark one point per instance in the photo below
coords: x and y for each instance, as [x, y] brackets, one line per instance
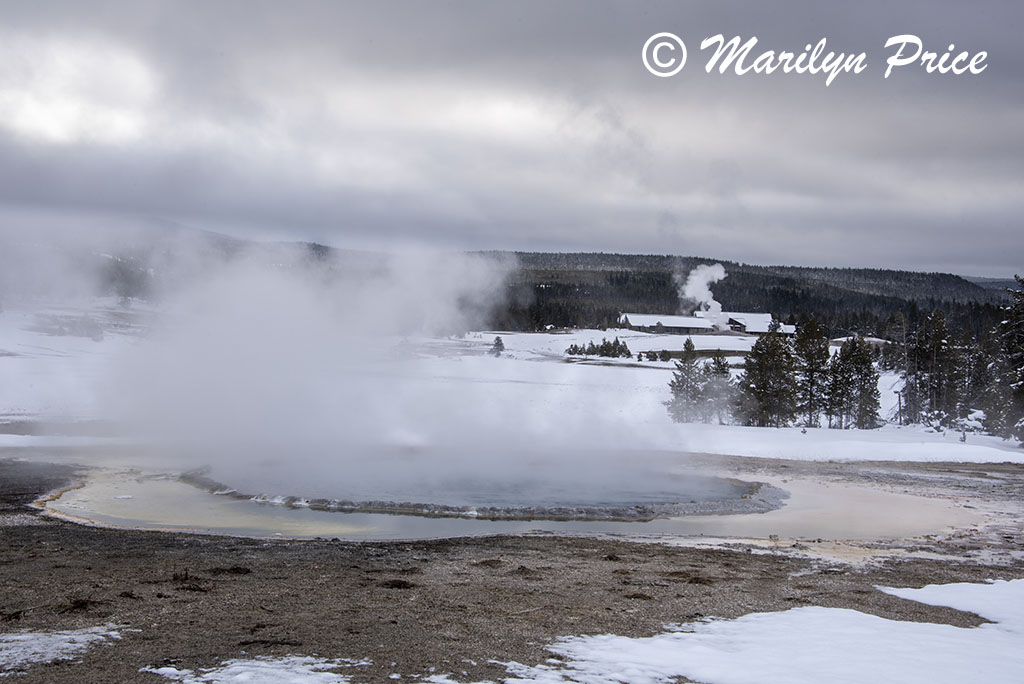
[288, 370]
[315, 379]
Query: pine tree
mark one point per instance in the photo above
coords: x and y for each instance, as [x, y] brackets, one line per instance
[685, 386]
[497, 347]
[812, 357]
[718, 389]
[866, 397]
[839, 390]
[852, 396]
[1004, 401]
[937, 374]
[768, 394]
[979, 359]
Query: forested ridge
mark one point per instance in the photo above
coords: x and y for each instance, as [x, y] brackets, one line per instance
[591, 289]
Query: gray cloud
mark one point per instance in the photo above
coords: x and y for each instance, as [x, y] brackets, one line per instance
[523, 125]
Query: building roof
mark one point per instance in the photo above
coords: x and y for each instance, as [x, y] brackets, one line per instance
[751, 322]
[652, 321]
[756, 323]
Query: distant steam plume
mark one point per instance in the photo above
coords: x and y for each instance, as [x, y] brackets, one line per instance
[696, 289]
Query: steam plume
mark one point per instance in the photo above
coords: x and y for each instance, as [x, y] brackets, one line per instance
[696, 289]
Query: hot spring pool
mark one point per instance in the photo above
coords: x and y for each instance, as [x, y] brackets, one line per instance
[562, 486]
[122, 497]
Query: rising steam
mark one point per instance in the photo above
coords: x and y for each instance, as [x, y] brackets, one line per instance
[313, 378]
[305, 371]
[696, 289]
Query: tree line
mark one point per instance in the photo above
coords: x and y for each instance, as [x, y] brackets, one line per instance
[782, 382]
[948, 381]
[947, 378]
[613, 349]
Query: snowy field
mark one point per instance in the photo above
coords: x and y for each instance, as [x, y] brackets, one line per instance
[809, 645]
[55, 365]
[54, 357]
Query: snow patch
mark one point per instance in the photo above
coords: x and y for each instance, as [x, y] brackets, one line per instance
[807, 646]
[286, 670]
[19, 650]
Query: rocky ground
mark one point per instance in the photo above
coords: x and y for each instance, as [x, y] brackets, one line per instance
[453, 605]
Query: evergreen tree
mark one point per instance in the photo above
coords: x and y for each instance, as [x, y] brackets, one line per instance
[812, 357]
[497, 347]
[866, 397]
[1004, 401]
[852, 396]
[768, 394]
[934, 378]
[718, 389]
[685, 386]
[839, 389]
[979, 356]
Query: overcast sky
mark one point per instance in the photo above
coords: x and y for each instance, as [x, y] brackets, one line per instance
[519, 125]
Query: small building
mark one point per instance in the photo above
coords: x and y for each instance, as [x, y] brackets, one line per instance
[755, 323]
[703, 322]
[673, 325]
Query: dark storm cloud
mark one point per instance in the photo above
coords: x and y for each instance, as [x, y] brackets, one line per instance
[519, 125]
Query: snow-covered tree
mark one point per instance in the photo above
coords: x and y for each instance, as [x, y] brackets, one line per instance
[498, 347]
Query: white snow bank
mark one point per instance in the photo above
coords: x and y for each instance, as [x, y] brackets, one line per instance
[286, 670]
[1000, 601]
[889, 443]
[810, 645]
[22, 649]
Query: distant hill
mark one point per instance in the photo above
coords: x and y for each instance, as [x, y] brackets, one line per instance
[998, 284]
[548, 289]
[911, 285]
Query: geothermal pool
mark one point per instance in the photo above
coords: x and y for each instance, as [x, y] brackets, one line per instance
[132, 499]
[123, 497]
[565, 486]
